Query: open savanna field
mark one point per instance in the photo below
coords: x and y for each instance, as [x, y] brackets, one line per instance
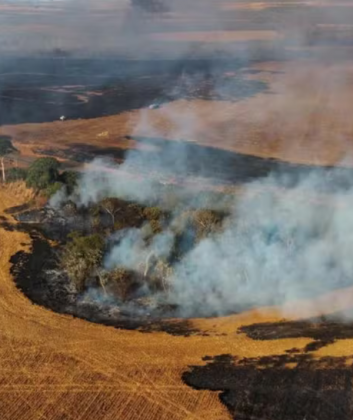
[243, 85]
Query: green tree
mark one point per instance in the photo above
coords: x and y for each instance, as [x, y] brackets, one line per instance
[42, 173]
[82, 257]
[6, 148]
[69, 178]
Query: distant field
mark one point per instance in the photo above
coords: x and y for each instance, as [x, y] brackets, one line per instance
[120, 29]
[289, 110]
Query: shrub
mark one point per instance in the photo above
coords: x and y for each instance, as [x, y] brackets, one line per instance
[152, 213]
[82, 257]
[121, 282]
[70, 208]
[206, 222]
[42, 172]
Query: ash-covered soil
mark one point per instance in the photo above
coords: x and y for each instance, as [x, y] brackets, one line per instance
[293, 386]
[323, 331]
[286, 387]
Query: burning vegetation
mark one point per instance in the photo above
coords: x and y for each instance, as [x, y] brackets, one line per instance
[136, 247]
[81, 267]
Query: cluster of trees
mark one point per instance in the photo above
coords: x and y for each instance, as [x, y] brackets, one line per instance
[82, 256]
[42, 175]
[124, 214]
[82, 260]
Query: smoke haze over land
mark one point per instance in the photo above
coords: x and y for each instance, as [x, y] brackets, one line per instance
[280, 242]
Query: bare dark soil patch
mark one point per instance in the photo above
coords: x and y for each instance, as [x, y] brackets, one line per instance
[267, 388]
[89, 88]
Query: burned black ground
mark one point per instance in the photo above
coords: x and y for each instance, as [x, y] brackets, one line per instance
[323, 330]
[29, 270]
[285, 387]
[90, 88]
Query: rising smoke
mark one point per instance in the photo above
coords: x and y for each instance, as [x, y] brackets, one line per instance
[279, 243]
[286, 238]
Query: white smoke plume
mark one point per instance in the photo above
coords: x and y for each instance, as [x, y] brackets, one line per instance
[287, 237]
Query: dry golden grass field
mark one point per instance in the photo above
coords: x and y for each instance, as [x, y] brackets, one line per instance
[56, 367]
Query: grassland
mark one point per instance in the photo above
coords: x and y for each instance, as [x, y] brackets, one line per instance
[55, 367]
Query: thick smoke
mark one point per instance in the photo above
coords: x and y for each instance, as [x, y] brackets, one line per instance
[273, 250]
[280, 243]
[288, 236]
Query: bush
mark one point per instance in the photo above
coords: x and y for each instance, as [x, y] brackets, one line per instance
[16, 174]
[82, 257]
[152, 213]
[42, 172]
[207, 222]
[121, 282]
